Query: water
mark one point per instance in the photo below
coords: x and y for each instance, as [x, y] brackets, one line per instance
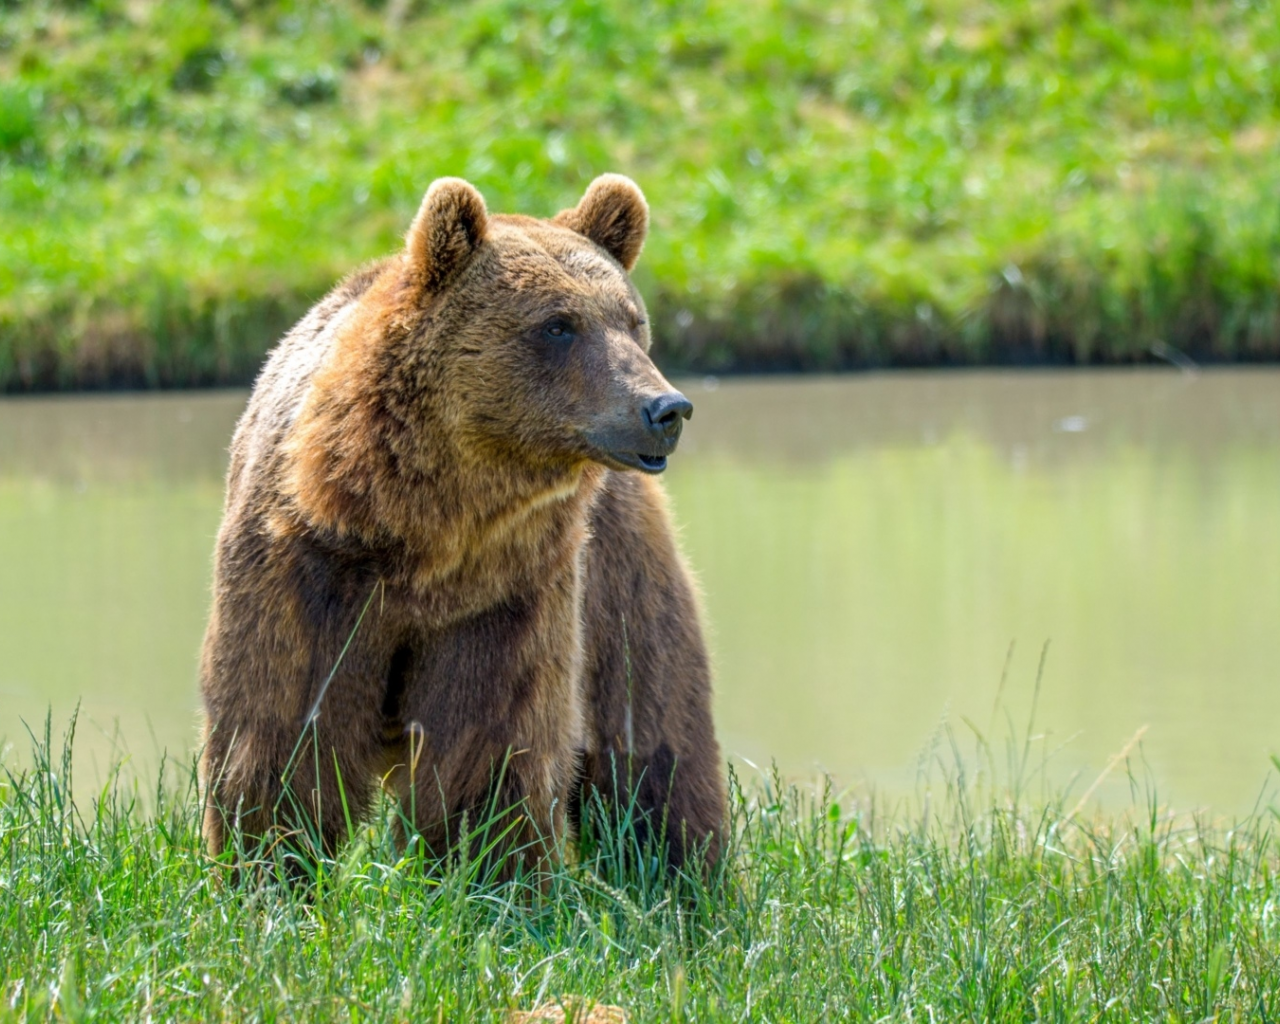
[869, 548]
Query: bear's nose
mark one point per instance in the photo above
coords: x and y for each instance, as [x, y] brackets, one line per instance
[665, 415]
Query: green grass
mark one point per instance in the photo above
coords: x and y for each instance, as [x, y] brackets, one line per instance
[986, 903]
[833, 184]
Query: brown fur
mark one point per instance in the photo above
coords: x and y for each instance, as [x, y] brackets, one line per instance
[420, 450]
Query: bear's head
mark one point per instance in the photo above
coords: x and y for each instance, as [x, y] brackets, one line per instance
[512, 346]
[543, 337]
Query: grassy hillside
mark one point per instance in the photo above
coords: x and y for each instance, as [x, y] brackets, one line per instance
[853, 183]
[984, 906]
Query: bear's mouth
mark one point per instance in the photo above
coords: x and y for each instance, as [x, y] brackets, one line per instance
[652, 463]
[636, 460]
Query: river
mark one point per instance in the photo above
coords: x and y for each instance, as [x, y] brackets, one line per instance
[873, 550]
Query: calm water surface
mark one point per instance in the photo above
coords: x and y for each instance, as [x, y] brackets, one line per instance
[869, 547]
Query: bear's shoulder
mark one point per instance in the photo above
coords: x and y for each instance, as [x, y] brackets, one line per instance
[283, 383]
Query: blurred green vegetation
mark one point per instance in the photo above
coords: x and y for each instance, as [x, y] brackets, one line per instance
[833, 184]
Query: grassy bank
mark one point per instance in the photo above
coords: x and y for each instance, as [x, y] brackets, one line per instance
[985, 905]
[833, 185]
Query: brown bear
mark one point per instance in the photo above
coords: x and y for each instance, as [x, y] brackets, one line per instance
[446, 565]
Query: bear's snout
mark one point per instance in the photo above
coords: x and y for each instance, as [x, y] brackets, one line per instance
[645, 435]
[664, 416]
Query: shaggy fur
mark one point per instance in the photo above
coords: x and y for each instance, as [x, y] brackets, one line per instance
[436, 444]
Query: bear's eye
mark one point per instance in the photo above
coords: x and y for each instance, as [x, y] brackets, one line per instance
[558, 329]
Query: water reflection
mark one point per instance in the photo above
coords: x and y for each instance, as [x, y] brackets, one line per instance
[869, 548]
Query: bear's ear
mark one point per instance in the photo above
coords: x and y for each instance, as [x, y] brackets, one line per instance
[448, 229]
[614, 215]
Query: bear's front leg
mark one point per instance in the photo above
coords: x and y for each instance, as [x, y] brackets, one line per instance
[292, 677]
[652, 754]
[492, 722]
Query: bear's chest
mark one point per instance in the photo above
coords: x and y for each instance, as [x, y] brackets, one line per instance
[450, 581]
